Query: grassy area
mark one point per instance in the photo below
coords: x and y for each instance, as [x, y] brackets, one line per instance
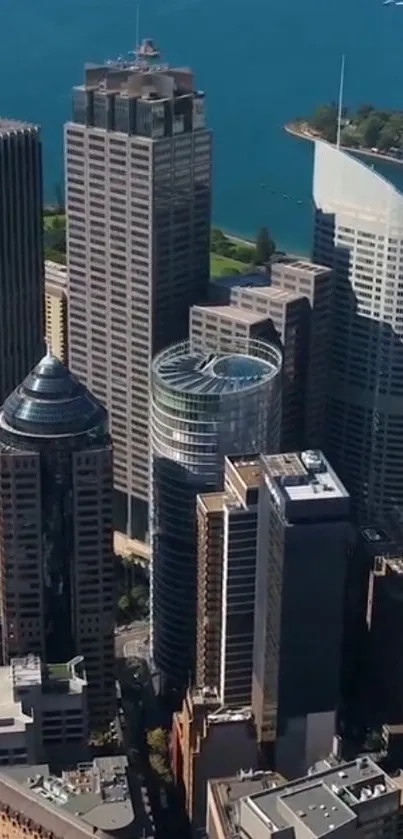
[58, 671]
[54, 222]
[220, 265]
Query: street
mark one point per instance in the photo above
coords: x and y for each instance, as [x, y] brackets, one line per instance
[132, 641]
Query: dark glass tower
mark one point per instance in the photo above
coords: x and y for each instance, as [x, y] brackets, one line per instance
[21, 253]
[56, 589]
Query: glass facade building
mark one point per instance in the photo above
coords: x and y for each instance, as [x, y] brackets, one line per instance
[56, 586]
[204, 406]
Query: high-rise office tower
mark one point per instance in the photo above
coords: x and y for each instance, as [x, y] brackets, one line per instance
[226, 573]
[56, 576]
[21, 253]
[312, 336]
[300, 574]
[138, 182]
[204, 406]
[359, 233]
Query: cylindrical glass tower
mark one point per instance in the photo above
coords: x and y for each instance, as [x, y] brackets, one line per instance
[204, 406]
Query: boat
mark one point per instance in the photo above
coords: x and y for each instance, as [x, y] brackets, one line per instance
[148, 49]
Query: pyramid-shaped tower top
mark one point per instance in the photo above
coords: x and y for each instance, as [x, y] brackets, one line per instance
[52, 402]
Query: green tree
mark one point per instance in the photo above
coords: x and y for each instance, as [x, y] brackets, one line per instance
[370, 130]
[161, 767]
[244, 253]
[265, 247]
[157, 740]
[348, 137]
[324, 120]
[124, 604]
[364, 111]
[387, 138]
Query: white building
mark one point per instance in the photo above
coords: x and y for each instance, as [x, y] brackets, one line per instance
[359, 232]
[43, 711]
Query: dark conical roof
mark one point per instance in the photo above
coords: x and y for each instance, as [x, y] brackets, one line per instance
[51, 401]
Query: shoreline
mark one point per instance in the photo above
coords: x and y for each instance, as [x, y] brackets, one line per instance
[294, 131]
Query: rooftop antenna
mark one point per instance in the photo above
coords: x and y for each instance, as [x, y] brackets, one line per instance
[340, 108]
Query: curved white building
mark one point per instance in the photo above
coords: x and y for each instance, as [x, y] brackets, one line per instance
[359, 232]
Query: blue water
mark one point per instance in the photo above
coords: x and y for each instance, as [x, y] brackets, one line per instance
[260, 62]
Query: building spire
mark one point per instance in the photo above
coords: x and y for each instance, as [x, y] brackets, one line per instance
[340, 107]
[48, 347]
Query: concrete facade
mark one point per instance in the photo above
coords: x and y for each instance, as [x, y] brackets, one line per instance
[359, 233]
[348, 800]
[56, 310]
[226, 574]
[138, 183]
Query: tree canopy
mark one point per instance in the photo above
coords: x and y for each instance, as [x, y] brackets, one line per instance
[366, 127]
[265, 247]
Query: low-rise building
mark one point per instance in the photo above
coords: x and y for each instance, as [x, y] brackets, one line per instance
[347, 800]
[209, 741]
[92, 799]
[43, 711]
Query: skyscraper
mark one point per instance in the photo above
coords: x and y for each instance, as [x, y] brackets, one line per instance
[138, 181]
[359, 233]
[226, 575]
[300, 574]
[21, 253]
[56, 576]
[204, 405]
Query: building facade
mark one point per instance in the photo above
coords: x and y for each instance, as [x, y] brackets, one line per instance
[56, 310]
[88, 799]
[201, 732]
[21, 253]
[204, 405]
[43, 712]
[56, 570]
[314, 282]
[301, 568]
[348, 800]
[359, 233]
[138, 183]
[226, 575]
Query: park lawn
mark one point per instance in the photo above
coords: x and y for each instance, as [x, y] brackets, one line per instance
[52, 222]
[220, 264]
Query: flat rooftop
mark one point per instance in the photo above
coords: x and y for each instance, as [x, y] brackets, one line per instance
[243, 281]
[8, 126]
[227, 791]
[93, 796]
[12, 718]
[276, 294]
[56, 275]
[305, 265]
[304, 476]
[249, 470]
[212, 502]
[326, 800]
[230, 313]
